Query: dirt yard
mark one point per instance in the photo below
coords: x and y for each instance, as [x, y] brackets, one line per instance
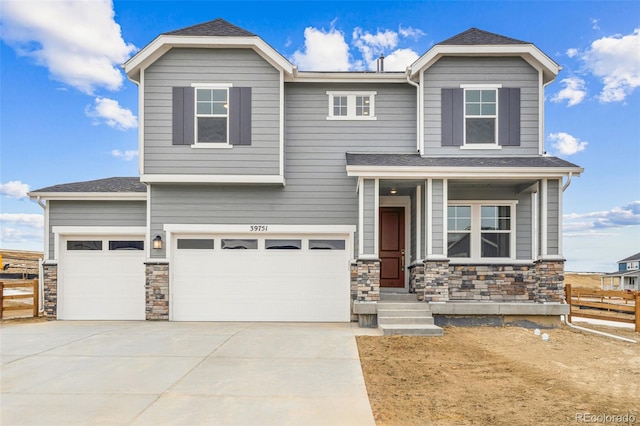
[584, 279]
[501, 376]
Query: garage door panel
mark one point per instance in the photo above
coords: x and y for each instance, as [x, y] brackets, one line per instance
[260, 285]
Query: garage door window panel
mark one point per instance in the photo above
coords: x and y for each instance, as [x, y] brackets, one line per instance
[195, 244]
[327, 245]
[283, 244]
[239, 244]
[126, 245]
[84, 245]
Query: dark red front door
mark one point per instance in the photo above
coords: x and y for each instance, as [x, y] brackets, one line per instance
[392, 247]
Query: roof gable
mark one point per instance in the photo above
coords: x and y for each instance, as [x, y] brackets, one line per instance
[216, 28]
[475, 36]
[630, 258]
[108, 185]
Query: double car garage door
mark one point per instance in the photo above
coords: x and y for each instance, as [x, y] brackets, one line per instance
[213, 278]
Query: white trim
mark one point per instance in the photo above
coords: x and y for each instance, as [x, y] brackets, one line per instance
[163, 43]
[400, 172]
[361, 187]
[560, 217]
[107, 196]
[421, 115]
[418, 222]
[348, 77]
[481, 145]
[148, 224]
[445, 214]
[165, 178]
[281, 136]
[481, 86]
[543, 219]
[376, 217]
[534, 225]
[211, 145]
[351, 105]
[530, 53]
[209, 85]
[429, 227]
[141, 124]
[63, 231]
[47, 233]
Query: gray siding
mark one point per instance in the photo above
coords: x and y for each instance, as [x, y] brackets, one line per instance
[94, 213]
[439, 204]
[450, 72]
[553, 213]
[524, 227]
[240, 67]
[369, 228]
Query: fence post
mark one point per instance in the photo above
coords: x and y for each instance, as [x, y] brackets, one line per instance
[567, 290]
[637, 311]
[36, 297]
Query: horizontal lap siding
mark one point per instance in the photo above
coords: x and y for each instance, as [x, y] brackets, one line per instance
[94, 213]
[240, 67]
[553, 215]
[437, 217]
[510, 72]
[318, 190]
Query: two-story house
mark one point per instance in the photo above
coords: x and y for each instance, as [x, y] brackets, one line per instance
[271, 194]
[627, 277]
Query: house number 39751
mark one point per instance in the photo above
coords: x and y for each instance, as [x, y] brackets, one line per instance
[258, 228]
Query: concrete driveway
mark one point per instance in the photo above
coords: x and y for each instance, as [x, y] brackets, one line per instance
[161, 373]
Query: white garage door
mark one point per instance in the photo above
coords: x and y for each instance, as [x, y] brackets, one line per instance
[267, 278]
[101, 278]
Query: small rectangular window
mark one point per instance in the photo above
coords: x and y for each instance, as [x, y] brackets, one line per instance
[195, 244]
[340, 106]
[233, 244]
[126, 245]
[351, 105]
[326, 244]
[84, 245]
[283, 244]
[480, 116]
[211, 115]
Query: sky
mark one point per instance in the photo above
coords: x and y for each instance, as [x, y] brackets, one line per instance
[69, 114]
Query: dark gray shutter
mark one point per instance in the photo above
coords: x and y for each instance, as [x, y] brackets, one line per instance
[452, 117]
[240, 115]
[183, 115]
[509, 116]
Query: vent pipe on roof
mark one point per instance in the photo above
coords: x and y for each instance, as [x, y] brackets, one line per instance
[380, 63]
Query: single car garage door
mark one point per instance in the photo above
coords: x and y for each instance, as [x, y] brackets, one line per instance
[266, 278]
[101, 278]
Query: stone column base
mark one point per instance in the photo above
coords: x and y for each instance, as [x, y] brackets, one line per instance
[436, 280]
[50, 289]
[157, 291]
[550, 281]
[367, 280]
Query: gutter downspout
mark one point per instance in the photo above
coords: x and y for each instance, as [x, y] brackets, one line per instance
[418, 126]
[600, 333]
[566, 185]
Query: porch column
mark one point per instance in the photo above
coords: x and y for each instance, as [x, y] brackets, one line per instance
[367, 267]
[550, 262]
[436, 263]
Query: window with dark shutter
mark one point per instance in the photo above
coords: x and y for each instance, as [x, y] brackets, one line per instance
[509, 117]
[240, 115]
[183, 113]
[452, 117]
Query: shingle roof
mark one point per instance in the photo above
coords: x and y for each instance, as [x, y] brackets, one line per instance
[113, 184]
[217, 27]
[415, 160]
[630, 258]
[475, 36]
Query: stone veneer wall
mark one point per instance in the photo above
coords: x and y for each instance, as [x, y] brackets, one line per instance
[416, 278]
[550, 285]
[436, 280]
[365, 280]
[157, 291]
[50, 289]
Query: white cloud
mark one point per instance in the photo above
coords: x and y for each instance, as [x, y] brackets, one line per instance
[615, 60]
[30, 220]
[566, 144]
[125, 155]
[13, 236]
[627, 215]
[14, 189]
[323, 51]
[79, 42]
[110, 111]
[409, 32]
[595, 24]
[574, 91]
[572, 52]
[399, 60]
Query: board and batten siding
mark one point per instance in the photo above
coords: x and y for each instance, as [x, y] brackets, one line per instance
[180, 67]
[94, 213]
[318, 190]
[451, 72]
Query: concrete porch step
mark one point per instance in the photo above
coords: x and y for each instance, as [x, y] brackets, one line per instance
[411, 330]
[414, 320]
[398, 297]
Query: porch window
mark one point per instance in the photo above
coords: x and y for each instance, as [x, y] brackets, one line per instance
[480, 231]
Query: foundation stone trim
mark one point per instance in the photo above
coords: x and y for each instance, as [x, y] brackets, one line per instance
[50, 290]
[157, 290]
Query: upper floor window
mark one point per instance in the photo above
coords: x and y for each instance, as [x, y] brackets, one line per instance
[212, 115]
[632, 265]
[480, 116]
[480, 231]
[351, 106]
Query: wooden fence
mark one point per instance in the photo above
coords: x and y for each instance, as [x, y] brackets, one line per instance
[609, 305]
[28, 290]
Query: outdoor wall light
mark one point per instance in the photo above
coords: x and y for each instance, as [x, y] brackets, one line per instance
[393, 191]
[157, 242]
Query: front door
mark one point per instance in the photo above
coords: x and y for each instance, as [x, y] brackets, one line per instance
[392, 247]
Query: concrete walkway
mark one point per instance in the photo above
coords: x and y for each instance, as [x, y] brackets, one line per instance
[160, 373]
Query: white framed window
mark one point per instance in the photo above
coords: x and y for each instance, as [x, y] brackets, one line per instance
[480, 115]
[212, 115]
[632, 265]
[481, 230]
[351, 105]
